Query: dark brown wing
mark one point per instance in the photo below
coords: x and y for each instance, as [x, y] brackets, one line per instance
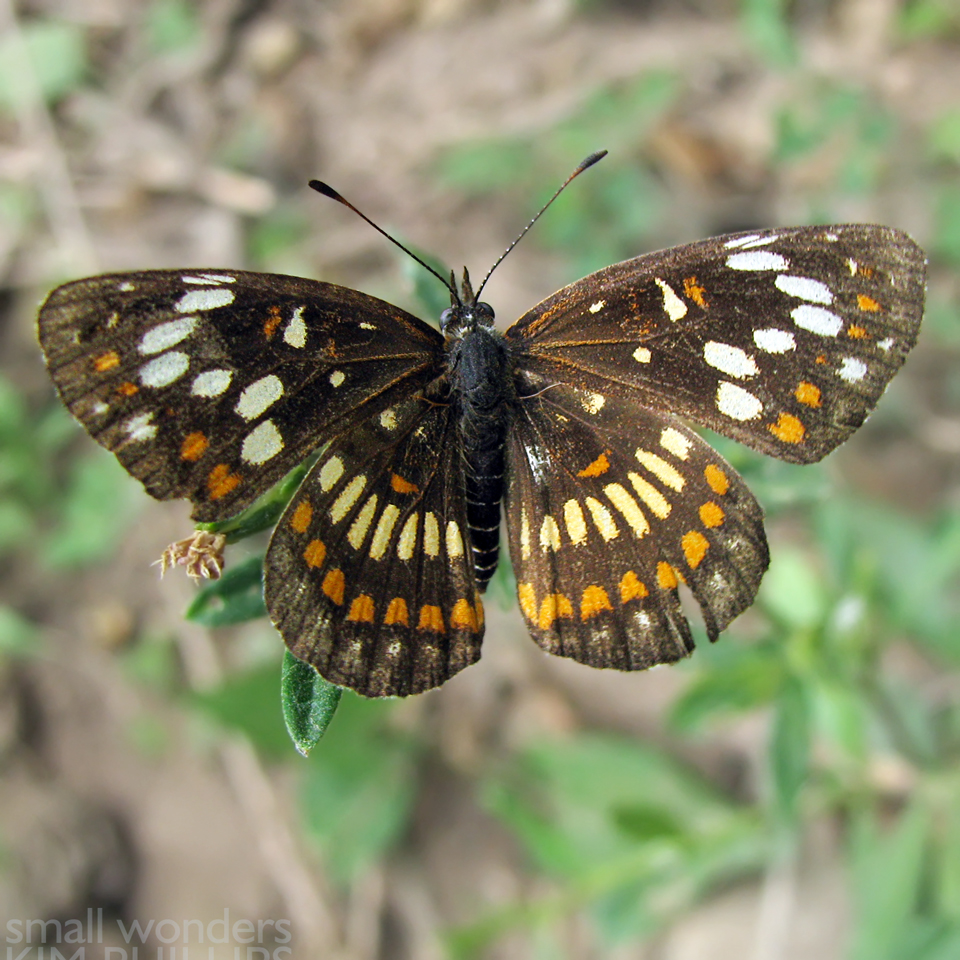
[212, 384]
[609, 506]
[781, 339]
[369, 575]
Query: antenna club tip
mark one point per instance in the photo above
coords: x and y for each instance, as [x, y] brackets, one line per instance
[591, 160]
[325, 189]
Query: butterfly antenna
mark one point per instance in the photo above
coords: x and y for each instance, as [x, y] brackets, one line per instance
[328, 191]
[584, 165]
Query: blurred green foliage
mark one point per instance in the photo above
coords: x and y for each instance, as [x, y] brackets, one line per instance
[57, 57]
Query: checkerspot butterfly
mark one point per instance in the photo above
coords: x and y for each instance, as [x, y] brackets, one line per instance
[213, 384]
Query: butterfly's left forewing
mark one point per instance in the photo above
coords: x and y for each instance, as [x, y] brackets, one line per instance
[781, 339]
[609, 507]
[212, 385]
[369, 574]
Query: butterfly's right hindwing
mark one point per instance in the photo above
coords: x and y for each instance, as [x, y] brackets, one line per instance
[213, 384]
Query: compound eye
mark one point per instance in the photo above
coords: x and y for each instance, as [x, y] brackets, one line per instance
[447, 317]
[485, 310]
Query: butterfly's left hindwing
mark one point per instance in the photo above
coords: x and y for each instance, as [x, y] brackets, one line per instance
[369, 575]
[212, 385]
[781, 339]
[609, 507]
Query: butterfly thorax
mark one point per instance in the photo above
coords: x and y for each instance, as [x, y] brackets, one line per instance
[480, 372]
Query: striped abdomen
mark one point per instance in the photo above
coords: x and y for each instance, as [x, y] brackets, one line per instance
[481, 379]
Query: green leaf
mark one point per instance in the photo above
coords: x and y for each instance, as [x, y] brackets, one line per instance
[792, 590]
[946, 241]
[888, 874]
[235, 598]
[765, 24]
[56, 53]
[943, 136]
[18, 636]
[173, 26]
[99, 502]
[789, 746]
[358, 787]
[309, 702]
[248, 702]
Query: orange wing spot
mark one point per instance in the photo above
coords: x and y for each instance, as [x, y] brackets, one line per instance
[554, 605]
[808, 394]
[463, 615]
[301, 517]
[788, 429]
[594, 602]
[717, 479]
[333, 586]
[361, 610]
[478, 606]
[220, 481]
[694, 292]
[855, 332]
[397, 612]
[315, 553]
[695, 546]
[402, 486]
[596, 469]
[272, 322]
[666, 576]
[711, 514]
[865, 271]
[821, 358]
[631, 588]
[194, 446]
[528, 601]
[106, 361]
[431, 618]
[867, 303]
[128, 389]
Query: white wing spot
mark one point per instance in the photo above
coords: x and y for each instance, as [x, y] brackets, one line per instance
[729, 359]
[757, 260]
[668, 475]
[209, 279]
[603, 519]
[349, 495]
[367, 326]
[165, 369]
[852, 370]
[454, 539]
[760, 242]
[140, 428]
[381, 536]
[549, 534]
[804, 288]
[593, 402]
[126, 286]
[598, 306]
[737, 403]
[852, 266]
[408, 538]
[388, 420]
[816, 320]
[358, 529]
[259, 396]
[112, 321]
[740, 241]
[263, 443]
[642, 355]
[524, 534]
[772, 340]
[211, 383]
[431, 535]
[330, 473]
[676, 443]
[295, 332]
[337, 377]
[659, 505]
[886, 343]
[629, 507]
[576, 525]
[167, 335]
[99, 408]
[675, 308]
[204, 300]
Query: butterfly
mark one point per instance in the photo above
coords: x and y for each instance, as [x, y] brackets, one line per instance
[213, 384]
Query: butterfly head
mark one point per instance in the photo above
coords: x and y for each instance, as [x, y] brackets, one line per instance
[465, 312]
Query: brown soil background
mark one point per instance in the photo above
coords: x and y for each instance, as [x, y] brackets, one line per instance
[366, 95]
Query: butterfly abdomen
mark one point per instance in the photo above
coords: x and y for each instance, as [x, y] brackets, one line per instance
[480, 373]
